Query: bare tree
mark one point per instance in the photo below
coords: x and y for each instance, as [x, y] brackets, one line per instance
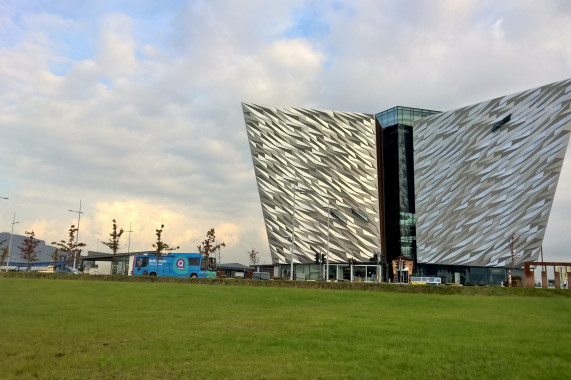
[28, 249]
[113, 242]
[70, 249]
[209, 246]
[161, 248]
[254, 258]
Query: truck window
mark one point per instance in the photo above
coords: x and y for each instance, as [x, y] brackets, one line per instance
[212, 263]
[142, 262]
[194, 261]
[208, 264]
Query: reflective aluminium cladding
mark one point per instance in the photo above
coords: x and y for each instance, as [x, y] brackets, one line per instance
[332, 156]
[487, 171]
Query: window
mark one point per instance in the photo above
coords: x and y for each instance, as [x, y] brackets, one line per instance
[339, 216]
[407, 219]
[142, 262]
[498, 124]
[360, 214]
[194, 261]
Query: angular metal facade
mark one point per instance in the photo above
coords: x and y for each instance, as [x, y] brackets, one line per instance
[332, 155]
[479, 181]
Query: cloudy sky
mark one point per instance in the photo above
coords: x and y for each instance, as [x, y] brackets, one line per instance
[133, 107]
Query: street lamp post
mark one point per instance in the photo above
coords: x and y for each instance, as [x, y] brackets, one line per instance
[294, 185]
[327, 252]
[10, 243]
[351, 268]
[380, 258]
[292, 232]
[129, 245]
[379, 274]
[77, 233]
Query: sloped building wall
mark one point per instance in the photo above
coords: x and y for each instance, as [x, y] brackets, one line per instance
[332, 155]
[476, 186]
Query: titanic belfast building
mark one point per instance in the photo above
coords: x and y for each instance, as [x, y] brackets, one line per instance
[464, 195]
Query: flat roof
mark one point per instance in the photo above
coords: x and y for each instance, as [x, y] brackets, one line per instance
[103, 256]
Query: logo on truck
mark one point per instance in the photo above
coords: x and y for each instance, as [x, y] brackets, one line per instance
[180, 264]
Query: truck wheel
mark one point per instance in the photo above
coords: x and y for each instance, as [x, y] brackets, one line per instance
[193, 275]
[152, 274]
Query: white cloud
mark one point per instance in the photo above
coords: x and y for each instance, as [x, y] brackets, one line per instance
[47, 21]
[117, 47]
[286, 72]
[145, 124]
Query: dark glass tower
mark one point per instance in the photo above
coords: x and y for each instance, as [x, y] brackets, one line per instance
[396, 169]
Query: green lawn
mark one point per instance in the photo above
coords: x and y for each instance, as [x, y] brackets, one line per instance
[92, 329]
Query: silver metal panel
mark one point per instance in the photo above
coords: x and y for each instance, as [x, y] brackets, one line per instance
[331, 154]
[476, 187]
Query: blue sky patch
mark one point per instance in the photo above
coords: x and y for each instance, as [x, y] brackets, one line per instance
[308, 22]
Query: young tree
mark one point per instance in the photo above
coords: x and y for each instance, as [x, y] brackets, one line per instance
[28, 249]
[113, 242]
[4, 252]
[209, 245]
[218, 256]
[161, 248]
[55, 256]
[70, 249]
[254, 258]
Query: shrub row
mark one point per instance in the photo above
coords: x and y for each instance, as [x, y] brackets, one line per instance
[361, 286]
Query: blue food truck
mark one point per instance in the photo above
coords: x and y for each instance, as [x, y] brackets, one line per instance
[174, 265]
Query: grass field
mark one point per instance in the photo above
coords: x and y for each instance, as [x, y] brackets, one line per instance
[97, 330]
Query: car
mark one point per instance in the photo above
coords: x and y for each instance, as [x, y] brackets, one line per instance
[66, 270]
[20, 269]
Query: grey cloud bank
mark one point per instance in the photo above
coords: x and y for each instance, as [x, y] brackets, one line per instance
[136, 110]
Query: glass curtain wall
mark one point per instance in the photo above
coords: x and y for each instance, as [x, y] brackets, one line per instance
[314, 272]
[469, 275]
[398, 188]
[402, 115]
[396, 144]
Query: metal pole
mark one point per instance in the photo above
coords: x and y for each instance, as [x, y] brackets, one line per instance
[129, 245]
[10, 239]
[327, 253]
[292, 232]
[541, 250]
[379, 279]
[351, 267]
[379, 258]
[10, 243]
[77, 234]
